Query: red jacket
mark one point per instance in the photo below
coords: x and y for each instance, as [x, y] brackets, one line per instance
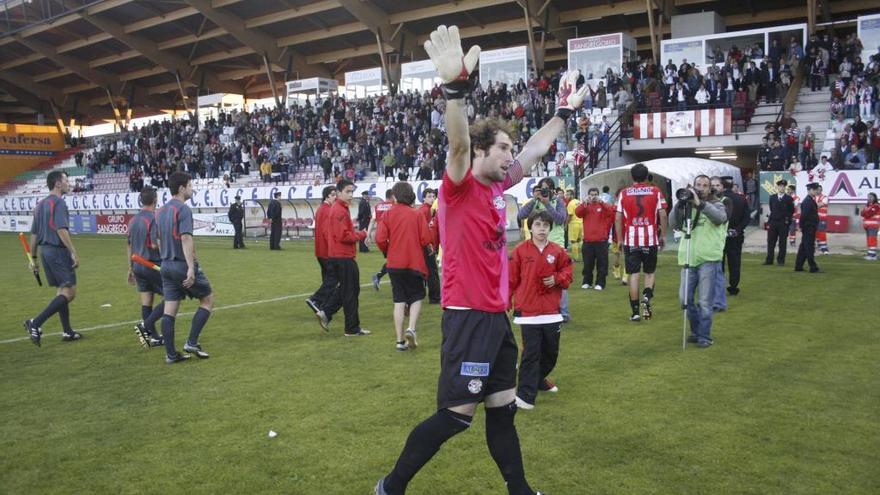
[321, 230]
[528, 267]
[402, 235]
[433, 226]
[871, 216]
[598, 218]
[341, 236]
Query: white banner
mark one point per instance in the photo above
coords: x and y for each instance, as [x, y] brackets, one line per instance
[222, 198]
[212, 224]
[422, 67]
[844, 186]
[15, 223]
[503, 55]
[366, 75]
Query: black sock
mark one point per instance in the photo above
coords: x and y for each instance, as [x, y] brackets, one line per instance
[64, 316]
[648, 292]
[145, 312]
[199, 320]
[150, 321]
[504, 446]
[168, 335]
[423, 442]
[634, 305]
[51, 309]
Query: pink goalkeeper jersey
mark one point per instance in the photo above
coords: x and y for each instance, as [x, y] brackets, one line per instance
[473, 219]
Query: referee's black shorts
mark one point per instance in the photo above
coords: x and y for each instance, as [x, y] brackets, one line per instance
[407, 286]
[640, 259]
[477, 357]
[148, 280]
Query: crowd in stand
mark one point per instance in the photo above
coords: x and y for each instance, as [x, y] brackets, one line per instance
[854, 111]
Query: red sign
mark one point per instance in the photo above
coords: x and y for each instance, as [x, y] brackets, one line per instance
[112, 224]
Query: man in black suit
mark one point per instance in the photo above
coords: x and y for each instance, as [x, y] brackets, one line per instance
[809, 223]
[236, 216]
[736, 225]
[365, 214]
[770, 77]
[781, 213]
[273, 213]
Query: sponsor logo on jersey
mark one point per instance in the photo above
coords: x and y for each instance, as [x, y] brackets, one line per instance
[475, 386]
[499, 202]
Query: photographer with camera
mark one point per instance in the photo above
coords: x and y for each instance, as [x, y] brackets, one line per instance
[544, 198]
[701, 215]
[598, 217]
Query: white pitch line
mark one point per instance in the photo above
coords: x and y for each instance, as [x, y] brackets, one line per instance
[188, 313]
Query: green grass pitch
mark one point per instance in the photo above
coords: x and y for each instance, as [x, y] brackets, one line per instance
[787, 401]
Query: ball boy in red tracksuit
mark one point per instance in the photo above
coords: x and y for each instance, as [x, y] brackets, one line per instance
[539, 271]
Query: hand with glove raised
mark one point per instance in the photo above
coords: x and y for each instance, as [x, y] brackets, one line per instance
[567, 99]
[453, 67]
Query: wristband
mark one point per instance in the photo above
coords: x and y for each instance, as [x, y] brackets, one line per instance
[459, 88]
[564, 113]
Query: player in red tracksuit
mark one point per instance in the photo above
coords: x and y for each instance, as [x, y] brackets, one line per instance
[342, 242]
[403, 235]
[598, 217]
[792, 229]
[325, 294]
[433, 280]
[381, 208]
[871, 223]
[539, 271]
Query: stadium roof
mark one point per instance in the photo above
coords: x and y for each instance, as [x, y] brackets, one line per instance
[79, 55]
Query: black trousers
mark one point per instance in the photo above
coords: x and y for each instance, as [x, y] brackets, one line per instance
[328, 293]
[807, 249]
[595, 255]
[433, 280]
[539, 356]
[733, 248]
[345, 271]
[777, 234]
[238, 240]
[362, 244]
[275, 235]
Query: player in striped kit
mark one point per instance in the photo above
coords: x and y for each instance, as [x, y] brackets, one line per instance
[639, 207]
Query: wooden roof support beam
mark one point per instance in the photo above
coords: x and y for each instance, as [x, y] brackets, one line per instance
[49, 94]
[257, 41]
[171, 62]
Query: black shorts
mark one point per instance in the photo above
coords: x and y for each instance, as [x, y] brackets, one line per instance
[477, 357]
[148, 280]
[407, 286]
[173, 275]
[58, 266]
[640, 259]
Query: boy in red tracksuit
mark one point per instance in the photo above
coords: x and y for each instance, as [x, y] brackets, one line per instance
[433, 280]
[342, 242]
[598, 217]
[539, 271]
[325, 294]
[403, 235]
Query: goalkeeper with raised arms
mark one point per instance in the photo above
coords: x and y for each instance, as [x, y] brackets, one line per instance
[478, 354]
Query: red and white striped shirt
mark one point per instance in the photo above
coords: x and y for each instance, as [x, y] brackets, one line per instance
[639, 204]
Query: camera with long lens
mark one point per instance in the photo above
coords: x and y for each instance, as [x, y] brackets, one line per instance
[684, 194]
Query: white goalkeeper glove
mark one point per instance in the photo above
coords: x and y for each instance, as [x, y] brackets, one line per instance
[453, 67]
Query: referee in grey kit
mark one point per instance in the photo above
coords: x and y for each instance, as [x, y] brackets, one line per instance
[181, 275]
[51, 236]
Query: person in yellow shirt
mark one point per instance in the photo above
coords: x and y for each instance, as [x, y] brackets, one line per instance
[266, 170]
[575, 225]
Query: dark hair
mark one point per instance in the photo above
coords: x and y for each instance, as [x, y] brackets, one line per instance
[869, 198]
[326, 192]
[782, 182]
[342, 184]
[593, 189]
[605, 189]
[148, 196]
[53, 177]
[403, 193]
[277, 194]
[389, 193]
[727, 182]
[178, 180]
[428, 190]
[542, 215]
[639, 172]
[483, 133]
[547, 182]
[701, 176]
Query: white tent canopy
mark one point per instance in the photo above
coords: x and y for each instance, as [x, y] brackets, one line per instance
[679, 172]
